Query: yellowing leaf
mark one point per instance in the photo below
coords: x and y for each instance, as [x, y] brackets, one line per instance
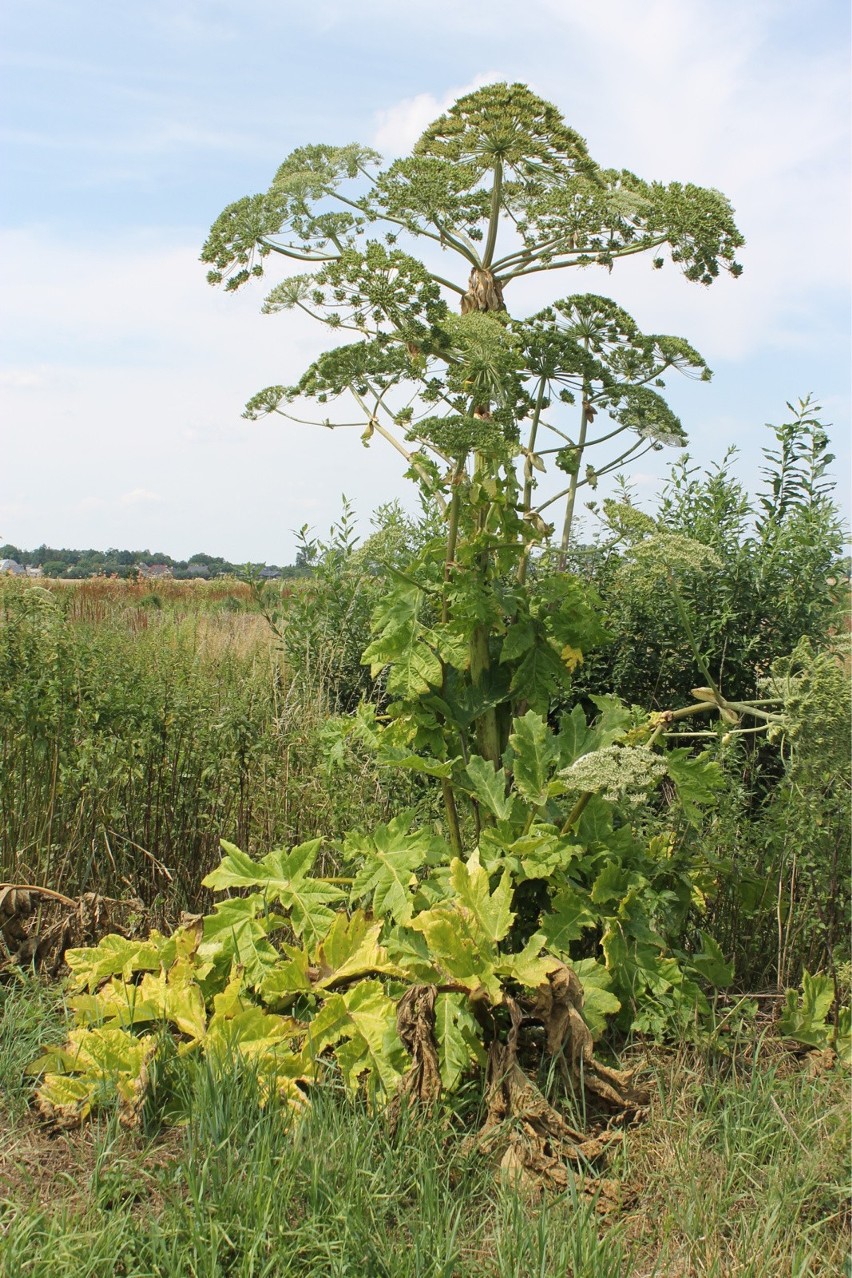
[490, 909]
[374, 1016]
[114, 956]
[459, 949]
[528, 967]
[251, 1032]
[350, 950]
[572, 657]
[285, 980]
[103, 1063]
[236, 932]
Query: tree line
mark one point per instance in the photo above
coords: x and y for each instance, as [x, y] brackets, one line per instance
[80, 564]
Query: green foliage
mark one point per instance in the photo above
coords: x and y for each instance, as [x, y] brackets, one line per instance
[772, 574]
[805, 1018]
[133, 739]
[567, 841]
[300, 986]
[501, 162]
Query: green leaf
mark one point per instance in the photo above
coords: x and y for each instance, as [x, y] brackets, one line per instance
[612, 722]
[574, 737]
[490, 786]
[805, 1019]
[284, 876]
[517, 640]
[458, 1035]
[458, 950]
[236, 869]
[528, 967]
[595, 825]
[696, 778]
[817, 995]
[490, 910]
[534, 754]
[540, 676]
[400, 758]
[236, 931]
[462, 936]
[415, 671]
[364, 1020]
[410, 951]
[392, 855]
[611, 884]
[598, 1000]
[710, 963]
[543, 852]
[566, 920]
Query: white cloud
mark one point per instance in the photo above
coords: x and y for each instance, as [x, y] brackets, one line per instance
[399, 126]
[124, 372]
[144, 373]
[139, 497]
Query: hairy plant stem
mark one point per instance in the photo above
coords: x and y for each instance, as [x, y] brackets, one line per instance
[452, 537]
[487, 726]
[575, 479]
[494, 221]
[448, 794]
[528, 481]
[452, 815]
[576, 812]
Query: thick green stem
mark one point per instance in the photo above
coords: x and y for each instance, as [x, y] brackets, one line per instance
[487, 724]
[494, 221]
[452, 815]
[449, 797]
[488, 740]
[576, 812]
[575, 478]
[452, 538]
[528, 480]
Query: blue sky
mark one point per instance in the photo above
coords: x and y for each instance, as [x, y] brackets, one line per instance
[125, 129]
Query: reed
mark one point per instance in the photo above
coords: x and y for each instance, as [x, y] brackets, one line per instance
[133, 738]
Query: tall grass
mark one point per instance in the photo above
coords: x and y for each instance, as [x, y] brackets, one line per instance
[742, 1168]
[133, 738]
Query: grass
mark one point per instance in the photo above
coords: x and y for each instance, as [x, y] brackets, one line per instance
[741, 1169]
[132, 739]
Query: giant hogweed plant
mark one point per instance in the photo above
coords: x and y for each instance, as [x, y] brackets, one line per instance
[549, 900]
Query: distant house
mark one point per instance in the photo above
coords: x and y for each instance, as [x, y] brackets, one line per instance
[35, 570]
[270, 573]
[154, 572]
[11, 568]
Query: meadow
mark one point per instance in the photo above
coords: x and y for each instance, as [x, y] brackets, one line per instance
[477, 902]
[141, 725]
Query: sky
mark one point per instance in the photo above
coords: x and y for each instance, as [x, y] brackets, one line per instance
[125, 129]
